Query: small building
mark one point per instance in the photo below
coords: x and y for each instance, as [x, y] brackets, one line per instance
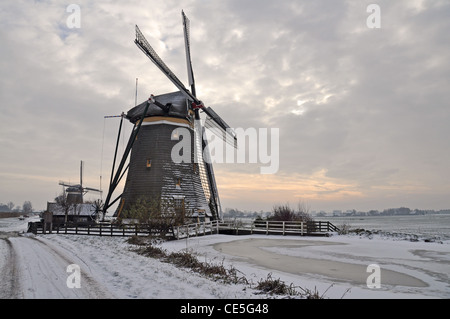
[80, 214]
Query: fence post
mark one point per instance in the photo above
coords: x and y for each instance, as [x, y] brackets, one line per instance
[284, 228]
[267, 227]
[100, 230]
[301, 228]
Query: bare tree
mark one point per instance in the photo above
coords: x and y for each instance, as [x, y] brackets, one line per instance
[303, 211]
[27, 207]
[10, 206]
[62, 202]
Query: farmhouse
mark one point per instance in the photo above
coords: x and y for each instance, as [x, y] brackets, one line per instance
[81, 214]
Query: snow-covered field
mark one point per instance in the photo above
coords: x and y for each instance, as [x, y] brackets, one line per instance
[36, 266]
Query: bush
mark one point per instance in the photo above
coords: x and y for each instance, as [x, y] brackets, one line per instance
[159, 215]
[183, 259]
[276, 287]
[344, 229]
[186, 259]
[286, 213]
[152, 251]
[157, 210]
[136, 240]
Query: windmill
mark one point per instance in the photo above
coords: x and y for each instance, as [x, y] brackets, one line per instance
[75, 192]
[157, 125]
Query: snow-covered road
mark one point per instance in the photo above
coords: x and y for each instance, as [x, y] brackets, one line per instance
[9, 286]
[40, 271]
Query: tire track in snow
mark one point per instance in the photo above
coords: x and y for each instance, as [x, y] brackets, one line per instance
[9, 285]
[42, 273]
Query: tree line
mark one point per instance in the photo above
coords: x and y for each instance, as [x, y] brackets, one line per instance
[10, 207]
[280, 212]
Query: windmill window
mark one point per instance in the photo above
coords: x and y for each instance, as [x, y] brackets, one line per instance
[178, 184]
[195, 168]
[149, 163]
[201, 213]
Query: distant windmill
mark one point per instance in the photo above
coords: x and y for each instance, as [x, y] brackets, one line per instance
[157, 123]
[75, 192]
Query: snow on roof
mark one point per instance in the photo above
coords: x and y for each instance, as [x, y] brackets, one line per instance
[79, 209]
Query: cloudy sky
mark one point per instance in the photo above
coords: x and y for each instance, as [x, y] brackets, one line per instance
[363, 113]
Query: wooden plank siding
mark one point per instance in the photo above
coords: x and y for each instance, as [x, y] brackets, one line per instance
[153, 174]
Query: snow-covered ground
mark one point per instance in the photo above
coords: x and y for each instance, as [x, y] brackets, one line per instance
[36, 266]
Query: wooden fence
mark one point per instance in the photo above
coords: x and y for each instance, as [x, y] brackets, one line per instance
[95, 229]
[281, 227]
[197, 229]
[192, 230]
[177, 232]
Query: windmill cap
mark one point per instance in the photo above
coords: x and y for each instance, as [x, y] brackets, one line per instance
[179, 107]
[74, 188]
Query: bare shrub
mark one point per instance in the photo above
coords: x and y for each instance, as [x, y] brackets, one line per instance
[278, 287]
[283, 212]
[275, 287]
[216, 271]
[183, 259]
[152, 251]
[136, 240]
[344, 229]
[159, 215]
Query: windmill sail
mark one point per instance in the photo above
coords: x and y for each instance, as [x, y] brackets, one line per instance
[187, 43]
[143, 44]
[219, 127]
[214, 198]
[205, 167]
